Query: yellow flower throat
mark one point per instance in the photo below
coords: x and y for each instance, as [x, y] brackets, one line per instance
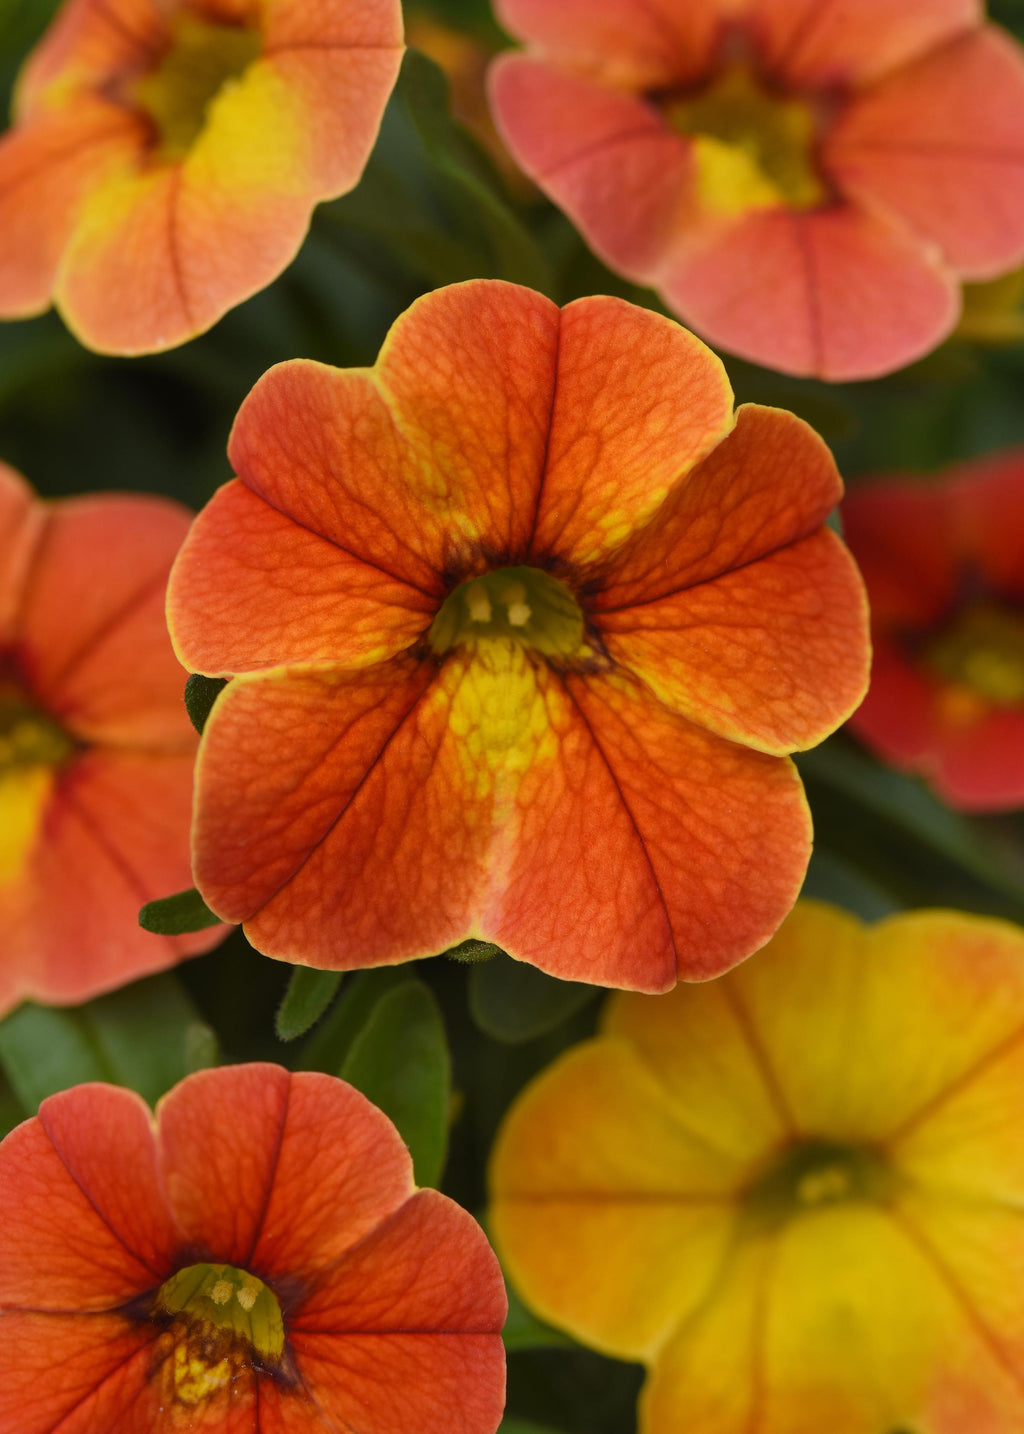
[202, 60]
[754, 149]
[222, 1322]
[526, 605]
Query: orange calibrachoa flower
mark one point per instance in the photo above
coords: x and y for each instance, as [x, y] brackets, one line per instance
[793, 1193]
[96, 751]
[944, 565]
[257, 1259]
[797, 178]
[525, 619]
[166, 155]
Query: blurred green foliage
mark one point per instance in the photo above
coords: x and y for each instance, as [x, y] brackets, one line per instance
[432, 209]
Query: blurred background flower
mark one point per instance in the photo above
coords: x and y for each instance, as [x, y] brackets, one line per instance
[791, 1192]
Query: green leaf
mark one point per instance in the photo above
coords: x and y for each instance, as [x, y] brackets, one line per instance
[177, 915]
[200, 695]
[831, 878]
[135, 1037]
[466, 177]
[513, 1002]
[44, 1051]
[400, 1061]
[329, 1045]
[309, 994]
[202, 1049]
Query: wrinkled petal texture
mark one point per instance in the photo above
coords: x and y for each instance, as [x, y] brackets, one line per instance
[85, 844]
[89, 213]
[363, 798]
[734, 605]
[921, 546]
[393, 1301]
[617, 1184]
[863, 284]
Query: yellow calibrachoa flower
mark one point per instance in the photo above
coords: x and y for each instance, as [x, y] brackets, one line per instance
[795, 1193]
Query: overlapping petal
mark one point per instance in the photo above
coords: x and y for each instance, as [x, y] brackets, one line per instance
[602, 154]
[890, 1310]
[644, 45]
[839, 291]
[808, 43]
[320, 1167]
[902, 147]
[680, 603]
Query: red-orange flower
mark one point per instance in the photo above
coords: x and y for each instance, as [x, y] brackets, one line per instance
[167, 155]
[258, 1259]
[526, 619]
[944, 565]
[806, 182]
[96, 751]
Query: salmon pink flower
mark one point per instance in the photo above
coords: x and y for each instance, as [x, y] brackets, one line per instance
[944, 565]
[258, 1258]
[806, 182]
[793, 1193]
[96, 752]
[166, 155]
[522, 622]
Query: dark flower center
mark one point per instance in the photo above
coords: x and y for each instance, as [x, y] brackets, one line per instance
[202, 60]
[28, 737]
[982, 649]
[220, 1321]
[810, 1174]
[754, 148]
[525, 605]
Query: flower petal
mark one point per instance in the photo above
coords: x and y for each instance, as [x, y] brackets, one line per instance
[76, 1373]
[817, 43]
[273, 591]
[302, 1169]
[111, 834]
[902, 146]
[984, 504]
[774, 655]
[434, 458]
[48, 167]
[770, 482]
[960, 977]
[425, 1268]
[602, 155]
[684, 852]
[87, 43]
[694, 1043]
[980, 766]
[638, 403]
[845, 1324]
[92, 638]
[626, 42]
[902, 540]
[611, 1213]
[836, 292]
[340, 24]
[900, 718]
[86, 1226]
[320, 857]
[21, 520]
